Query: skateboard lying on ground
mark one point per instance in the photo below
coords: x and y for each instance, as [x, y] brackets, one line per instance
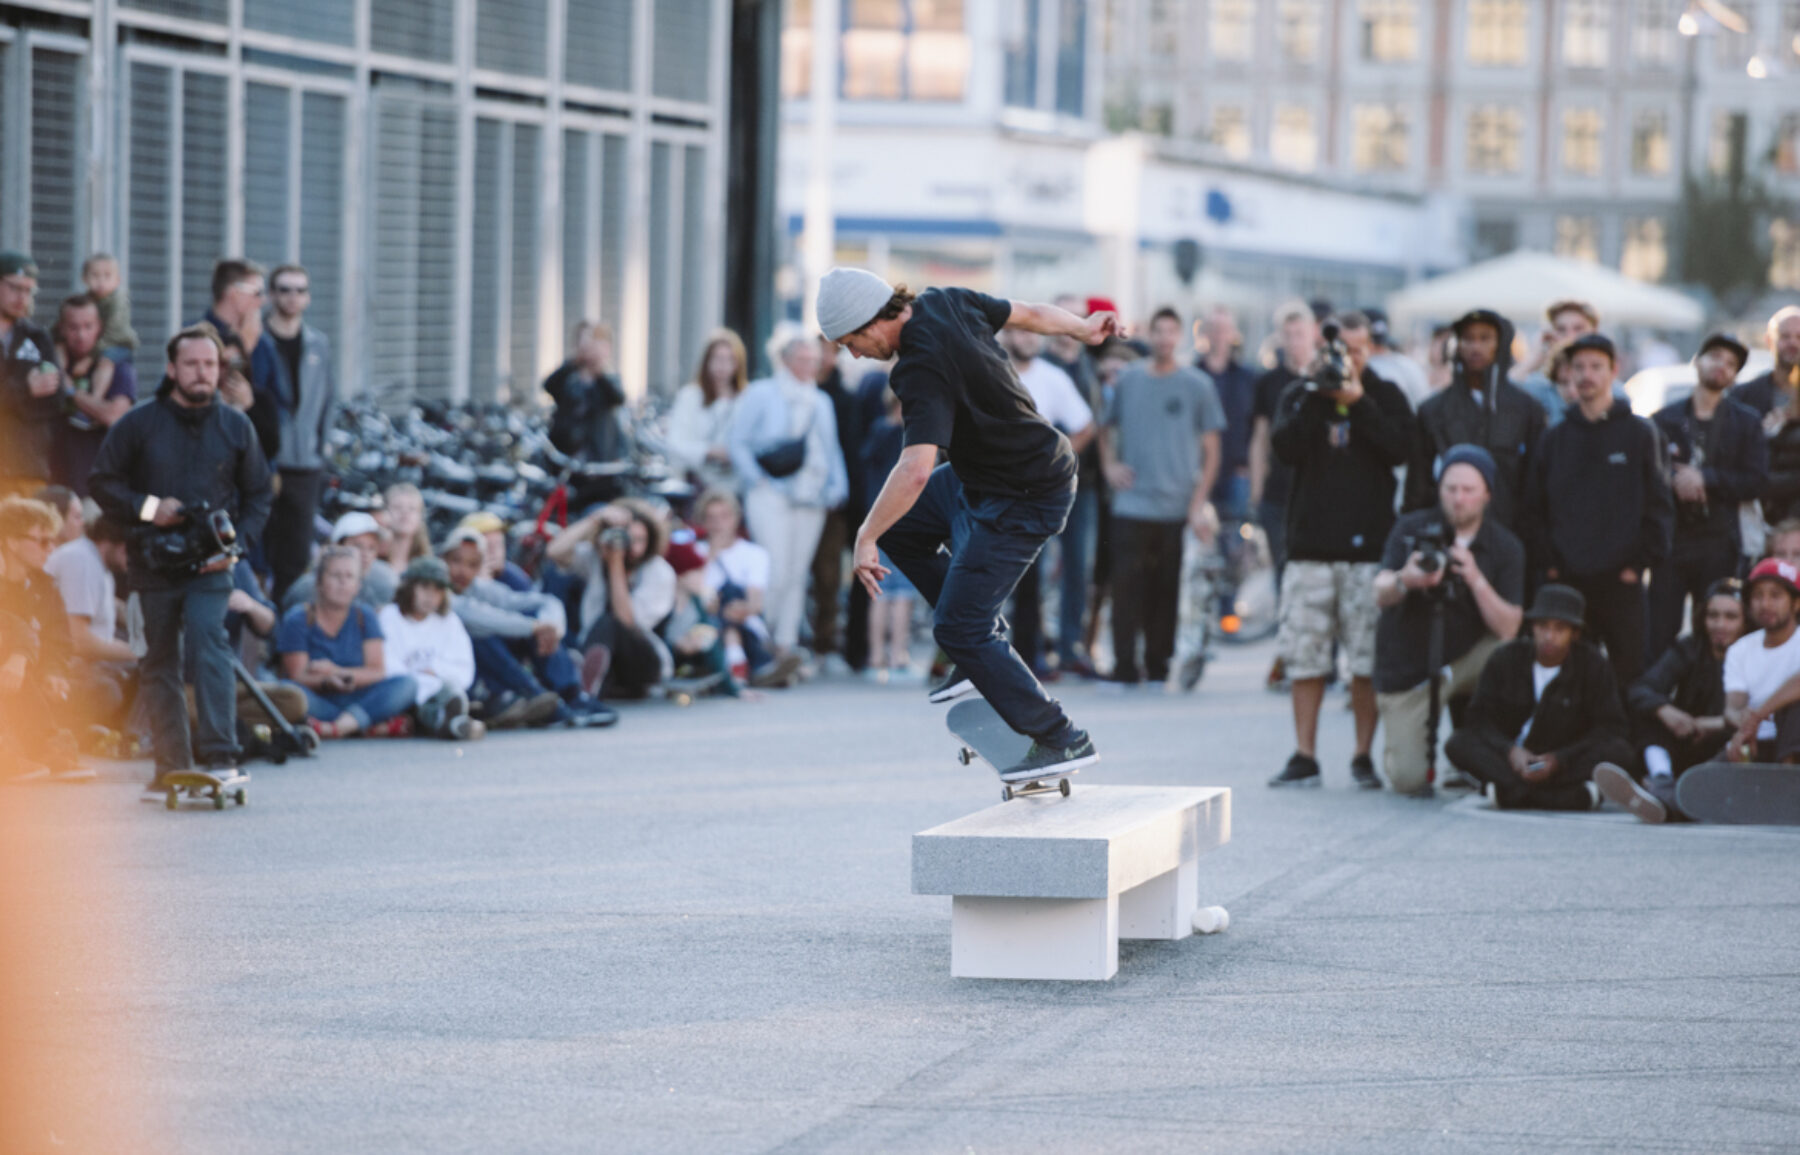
[1742, 793]
[984, 735]
[198, 785]
[683, 691]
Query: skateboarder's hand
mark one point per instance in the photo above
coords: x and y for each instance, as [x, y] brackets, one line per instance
[1100, 326]
[1679, 721]
[869, 570]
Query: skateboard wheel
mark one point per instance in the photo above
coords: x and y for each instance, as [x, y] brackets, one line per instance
[240, 795]
[171, 800]
[218, 801]
[1064, 787]
[1006, 793]
[965, 755]
[309, 741]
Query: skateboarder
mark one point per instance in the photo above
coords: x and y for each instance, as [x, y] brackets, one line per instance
[1008, 486]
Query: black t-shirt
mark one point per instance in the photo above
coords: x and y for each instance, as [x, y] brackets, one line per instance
[289, 350]
[1403, 633]
[958, 390]
[1269, 388]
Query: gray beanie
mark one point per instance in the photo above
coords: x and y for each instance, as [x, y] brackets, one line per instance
[849, 299]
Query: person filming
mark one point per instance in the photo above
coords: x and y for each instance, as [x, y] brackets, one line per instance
[1453, 570]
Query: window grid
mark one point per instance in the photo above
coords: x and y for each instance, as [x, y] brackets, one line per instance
[1390, 31]
[1581, 141]
[1232, 30]
[1497, 32]
[1495, 133]
[1586, 25]
[1380, 141]
[1297, 30]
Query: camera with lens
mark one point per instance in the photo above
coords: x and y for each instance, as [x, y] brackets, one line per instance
[1432, 544]
[616, 537]
[1332, 369]
[203, 538]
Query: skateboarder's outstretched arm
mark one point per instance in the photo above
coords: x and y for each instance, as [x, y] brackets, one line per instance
[1051, 321]
[904, 484]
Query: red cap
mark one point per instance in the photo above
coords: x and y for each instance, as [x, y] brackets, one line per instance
[1100, 305]
[1774, 569]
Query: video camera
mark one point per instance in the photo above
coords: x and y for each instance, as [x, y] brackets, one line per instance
[1432, 543]
[204, 536]
[1332, 369]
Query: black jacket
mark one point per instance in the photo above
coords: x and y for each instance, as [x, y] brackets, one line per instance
[1578, 713]
[1342, 504]
[1758, 393]
[586, 421]
[1735, 466]
[1506, 422]
[27, 423]
[1686, 677]
[162, 449]
[1781, 489]
[38, 625]
[1597, 498]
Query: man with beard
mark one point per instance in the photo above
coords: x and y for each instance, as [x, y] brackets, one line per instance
[1772, 392]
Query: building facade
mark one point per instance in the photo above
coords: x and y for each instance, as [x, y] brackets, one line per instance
[464, 179]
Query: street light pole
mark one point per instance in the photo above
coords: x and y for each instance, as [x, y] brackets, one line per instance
[819, 241]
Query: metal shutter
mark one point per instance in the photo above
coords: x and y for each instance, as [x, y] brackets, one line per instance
[330, 21]
[612, 231]
[485, 292]
[149, 270]
[412, 311]
[215, 11]
[597, 47]
[662, 212]
[322, 117]
[682, 49]
[577, 228]
[510, 36]
[422, 29]
[8, 238]
[696, 258]
[204, 123]
[268, 182]
[58, 98]
[522, 290]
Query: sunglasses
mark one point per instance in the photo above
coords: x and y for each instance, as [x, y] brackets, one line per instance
[285, 290]
[42, 539]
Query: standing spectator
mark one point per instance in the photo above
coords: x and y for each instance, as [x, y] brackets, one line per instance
[402, 519]
[332, 649]
[890, 615]
[1160, 449]
[377, 582]
[35, 659]
[1271, 479]
[1220, 343]
[295, 360]
[101, 391]
[1476, 592]
[784, 446]
[1479, 407]
[183, 451]
[841, 520]
[628, 590]
[1773, 391]
[1076, 541]
[1569, 321]
[588, 398]
[1390, 364]
[427, 642]
[118, 340]
[246, 381]
[1439, 366]
[1546, 713]
[1718, 459]
[700, 415]
[1343, 437]
[1061, 404]
[31, 385]
[1598, 511]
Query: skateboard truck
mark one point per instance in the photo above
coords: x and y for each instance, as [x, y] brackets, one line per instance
[1014, 790]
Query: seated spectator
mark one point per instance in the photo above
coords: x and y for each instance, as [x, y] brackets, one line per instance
[100, 391]
[35, 666]
[68, 507]
[629, 588]
[429, 643]
[1761, 670]
[1678, 708]
[1476, 595]
[361, 533]
[496, 563]
[86, 571]
[1545, 713]
[700, 415]
[332, 649]
[402, 518]
[735, 579]
[528, 677]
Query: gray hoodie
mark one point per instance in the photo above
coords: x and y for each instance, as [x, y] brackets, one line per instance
[489, 609]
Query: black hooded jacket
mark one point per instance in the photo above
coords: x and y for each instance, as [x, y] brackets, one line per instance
[1504, 420]
[1597, 497]
[1342, 505]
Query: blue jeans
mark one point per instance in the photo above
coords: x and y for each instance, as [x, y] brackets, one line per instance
[1077, 546]
[191, 615]
[993, 540]
[498, 667]
[369, 705]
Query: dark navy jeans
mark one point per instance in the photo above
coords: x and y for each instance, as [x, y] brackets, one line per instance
[189, 616]
[993, 540]
[514, 664]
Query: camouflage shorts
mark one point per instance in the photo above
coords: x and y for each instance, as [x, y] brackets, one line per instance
[1322, 601]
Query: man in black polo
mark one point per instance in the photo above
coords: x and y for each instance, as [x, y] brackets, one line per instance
[1718, 459]
[1007, 488]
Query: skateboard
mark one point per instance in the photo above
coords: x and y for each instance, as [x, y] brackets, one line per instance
[203, 787]
[1746, 794]
[683, 691]
[984, 735]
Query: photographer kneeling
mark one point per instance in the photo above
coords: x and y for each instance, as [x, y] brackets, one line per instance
[183, 469]
[1453, 570]
[630, 588]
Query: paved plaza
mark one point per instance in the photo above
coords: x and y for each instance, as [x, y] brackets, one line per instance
[694, 933]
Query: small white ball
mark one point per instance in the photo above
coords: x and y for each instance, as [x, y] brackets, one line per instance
[1211, 919]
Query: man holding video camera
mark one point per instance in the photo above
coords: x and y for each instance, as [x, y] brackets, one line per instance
[1451, 589]
[188, 472]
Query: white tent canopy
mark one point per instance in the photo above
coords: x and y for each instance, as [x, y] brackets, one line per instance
[1520, 285]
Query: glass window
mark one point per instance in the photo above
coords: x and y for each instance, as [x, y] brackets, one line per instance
[1390, 31]
[1784, 254]
[1581, 141]
[874, 40]
[892, 50]
[510, 36]
[1021, 54]
[1232, 31]
[1495, 134]
[1787, 144]
[597, 50]
[1653, 31]
[1788, 46]
[332, 21]
[1379, 138]
[1585, 29]
[1495, 236]
[422, 29]
[937, 52]
[680, 53]
[1297, 30]
[1578, 238]
[1725, 143]
[1497, 32]
[1230, 132]
[1071, 58]
[1645, 256]
[1732, 50]
[1650, 143]
[1293, 141]
[58, 111]
[1165, 27]
[796, 51]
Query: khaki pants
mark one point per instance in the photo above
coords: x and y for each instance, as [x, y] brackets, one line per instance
[1404, 716]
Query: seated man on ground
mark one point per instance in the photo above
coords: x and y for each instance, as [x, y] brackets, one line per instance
[629, 589]
[528, 677]
[425, 640]
[1762, 670]
[1546, 712]
[1678, 708]
[35, 710]
[86, 571]
[1473, 592]
[332, 649]
[362, 533]
[496, 563]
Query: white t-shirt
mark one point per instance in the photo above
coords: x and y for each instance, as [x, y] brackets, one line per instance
[1756, 670]
[436, 651]
[746, 565]
[86, 585]
[652, 589]
[1541, 677]
[1055, 395]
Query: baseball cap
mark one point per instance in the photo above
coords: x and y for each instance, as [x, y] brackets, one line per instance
[482, 521]
[13, 262]
[462, 535]
[352, 525]
[1727, 342]
[427, 569]
[1775, 570]
[1594, 342]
